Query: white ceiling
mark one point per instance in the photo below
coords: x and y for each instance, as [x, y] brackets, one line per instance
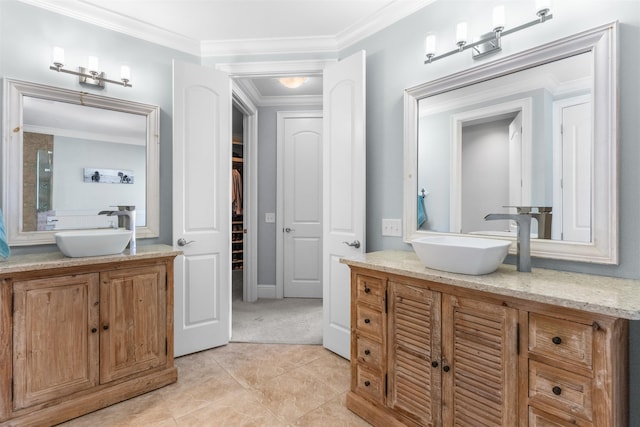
[209, 28]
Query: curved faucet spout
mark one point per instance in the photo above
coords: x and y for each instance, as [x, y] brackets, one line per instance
[523, 254]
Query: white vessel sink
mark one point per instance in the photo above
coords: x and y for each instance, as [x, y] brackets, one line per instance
[460, 254]
[81, 243]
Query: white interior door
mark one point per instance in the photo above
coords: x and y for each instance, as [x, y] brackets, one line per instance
[201, 207]
[344, 194]
[576, 173]
[301, 134]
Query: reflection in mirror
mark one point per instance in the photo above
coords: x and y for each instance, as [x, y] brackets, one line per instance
[514, 141]
[70, 155]
[535, 132]
[64, 139]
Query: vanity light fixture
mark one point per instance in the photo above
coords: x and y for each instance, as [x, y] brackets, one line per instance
[89, 75]
[490, 42]
[292, 82]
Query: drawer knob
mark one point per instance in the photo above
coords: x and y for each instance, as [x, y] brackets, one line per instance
[367, 290]
[446, 368]
[367, 383]
[557, 391]
[94, 330]
[367, 352]
[556, 340]
[434, 363]
[105, 327]
[367, 321]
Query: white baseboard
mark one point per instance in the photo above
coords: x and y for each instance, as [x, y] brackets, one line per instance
[266, 291]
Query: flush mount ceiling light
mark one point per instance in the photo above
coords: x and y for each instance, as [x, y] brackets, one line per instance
[489, 42]
[292, 82]
[89, 75]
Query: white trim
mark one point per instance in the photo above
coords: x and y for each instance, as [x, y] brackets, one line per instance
[273, 101]
[266, 291]
[602, 42]
[274, 68]
[250, 200]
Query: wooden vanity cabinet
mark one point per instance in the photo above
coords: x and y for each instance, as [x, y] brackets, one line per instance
[84, 341]
[430, 354]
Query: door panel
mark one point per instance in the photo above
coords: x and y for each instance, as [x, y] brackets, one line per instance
[201, 206]
[344, 159]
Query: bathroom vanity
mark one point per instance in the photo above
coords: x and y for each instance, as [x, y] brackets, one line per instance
[546, 348]
[79, 334]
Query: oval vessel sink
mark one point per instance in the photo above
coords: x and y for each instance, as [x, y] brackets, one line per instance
[460, 254]
[81, 243]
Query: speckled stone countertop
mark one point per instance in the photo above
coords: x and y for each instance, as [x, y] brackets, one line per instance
[596, 294]
[45, 260]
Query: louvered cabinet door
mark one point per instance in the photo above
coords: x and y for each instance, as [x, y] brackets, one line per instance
[480, 363]
[414, 374]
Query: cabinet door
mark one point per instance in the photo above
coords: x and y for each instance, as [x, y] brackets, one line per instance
[480, 363]
[132, 321]
[55, 339]
[414, 375]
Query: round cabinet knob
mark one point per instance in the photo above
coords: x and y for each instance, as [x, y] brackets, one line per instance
[367, 352]
[557, 391]
[367, 321]
[94, 330]
[556, 340]
[367, 290]
[367, 383]
[446, 368]
[434, 363]
[105, 327]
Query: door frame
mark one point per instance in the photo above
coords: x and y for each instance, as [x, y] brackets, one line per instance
[262, 69]
[250, 189]
[280, 197]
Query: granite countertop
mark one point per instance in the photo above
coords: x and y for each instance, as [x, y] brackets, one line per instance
[45, 260]
[596, 294]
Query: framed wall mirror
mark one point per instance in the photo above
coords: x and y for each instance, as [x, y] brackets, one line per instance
[536, 130]
[67, 155]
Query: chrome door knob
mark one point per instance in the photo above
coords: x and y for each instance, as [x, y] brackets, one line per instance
[289, 230]
[183, 242]
[354, 244]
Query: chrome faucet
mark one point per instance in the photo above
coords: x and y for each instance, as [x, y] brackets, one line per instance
[523, 254]
[126, 219]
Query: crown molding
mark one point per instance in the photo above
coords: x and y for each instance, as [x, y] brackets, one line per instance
[268, 46]
[250, 90]
[95, 15]
[274, 68]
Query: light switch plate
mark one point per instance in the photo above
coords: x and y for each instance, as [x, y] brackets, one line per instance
[270, 217]
[392, 227]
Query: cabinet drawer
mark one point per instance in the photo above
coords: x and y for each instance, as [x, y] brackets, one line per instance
[369, 384]
[369, 352]
[561, 339]
[370, 290]
[571, 393]
[538, 418]
[369, 320]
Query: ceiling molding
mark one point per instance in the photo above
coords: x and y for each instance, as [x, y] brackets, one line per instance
[212, 48]
[274, 68]
[259, 100]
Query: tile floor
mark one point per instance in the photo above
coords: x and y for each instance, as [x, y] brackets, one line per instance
[242, 385]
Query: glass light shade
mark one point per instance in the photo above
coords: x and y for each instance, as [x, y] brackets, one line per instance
[430, 45]
[498, 18]
[292, 82]
[543, 6]
[125, 73]
[57, 55]
[461, 33]
[93, 65]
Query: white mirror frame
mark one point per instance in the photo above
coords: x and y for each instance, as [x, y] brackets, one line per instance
[12, 125]
[602, 42]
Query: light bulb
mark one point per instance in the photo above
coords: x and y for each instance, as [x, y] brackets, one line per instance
[58, 56]
[498, 18]
[461, 33]
[93, 65]
[125, 73]
[430, 45]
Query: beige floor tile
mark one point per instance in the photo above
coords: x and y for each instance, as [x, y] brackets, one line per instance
[334, 413]
[332, 370]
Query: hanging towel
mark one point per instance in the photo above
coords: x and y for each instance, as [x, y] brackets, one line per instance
[422, 213]
[236, 192]
[4, 246]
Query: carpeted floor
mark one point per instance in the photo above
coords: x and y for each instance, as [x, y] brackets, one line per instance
[279, 321]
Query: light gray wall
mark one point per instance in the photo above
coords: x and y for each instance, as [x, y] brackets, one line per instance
[267, 170]
[27, 34]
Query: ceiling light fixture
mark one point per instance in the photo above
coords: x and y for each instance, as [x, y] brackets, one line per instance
[292, 82]
[91, 74]
[490, 42]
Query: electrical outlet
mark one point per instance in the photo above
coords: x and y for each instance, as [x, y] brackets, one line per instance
[391, 227]
[270, 217]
